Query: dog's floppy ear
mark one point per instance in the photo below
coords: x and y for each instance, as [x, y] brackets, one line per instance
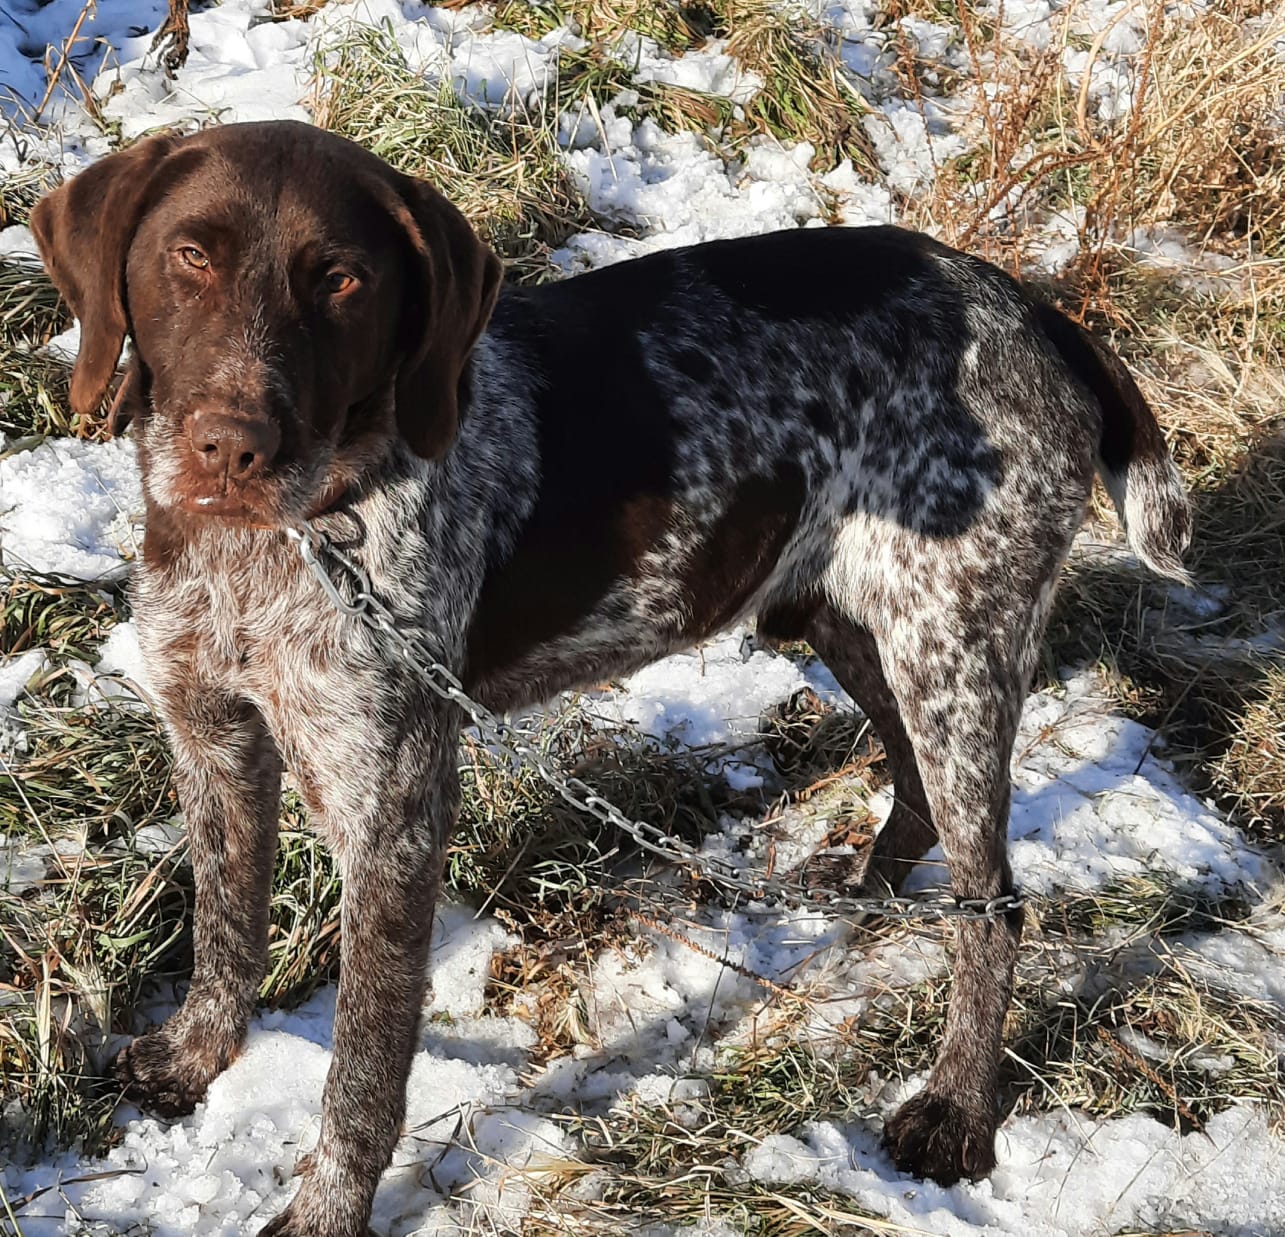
[448, 300]
[83, 229]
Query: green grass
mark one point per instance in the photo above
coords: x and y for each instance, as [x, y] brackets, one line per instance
[65, 615]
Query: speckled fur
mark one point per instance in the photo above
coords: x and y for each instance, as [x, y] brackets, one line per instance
[857, 436]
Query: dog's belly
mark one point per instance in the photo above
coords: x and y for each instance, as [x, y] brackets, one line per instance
[574, 608]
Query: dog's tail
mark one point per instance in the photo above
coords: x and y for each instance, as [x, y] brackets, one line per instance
[1133, 461]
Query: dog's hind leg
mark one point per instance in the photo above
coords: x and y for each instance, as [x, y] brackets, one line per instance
[960, 700]
[850, 652]
[956, 630]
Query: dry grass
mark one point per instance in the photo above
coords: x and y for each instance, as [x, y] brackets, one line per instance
[523, 848]
[1169, 1045]
[1102, 1031]
[679, 1161]
[31, 311]
[21, 189]
[1199, 143]
[1213, 366]
[675, 26]
[1106, 1019]
[1250, 772]
[805, 97]
[501, 169]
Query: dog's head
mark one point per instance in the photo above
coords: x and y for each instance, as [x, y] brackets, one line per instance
[292, 302]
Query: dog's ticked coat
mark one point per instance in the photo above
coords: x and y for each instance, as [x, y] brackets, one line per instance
[856, 436]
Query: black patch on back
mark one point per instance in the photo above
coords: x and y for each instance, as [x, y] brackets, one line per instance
[819, 416]
[812, 273]
[694, 364]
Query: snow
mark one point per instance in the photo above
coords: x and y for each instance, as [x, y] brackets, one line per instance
[1093, 805]
[17, 242]
[1094, 802]
[15, 673]
[70, 508]
[711, 696]
[682, 193]
[1060, 1176]
[708, 69]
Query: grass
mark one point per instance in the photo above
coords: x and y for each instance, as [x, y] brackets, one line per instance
[22, 188]
[1101, 1032]
[1212, 364]
[1197, 144]
[1110, 1015]
[1099, 1029]
[677, 1161]
[68, 616]
[108, 920]
[33, 386]
[805, 96]
[501, 169]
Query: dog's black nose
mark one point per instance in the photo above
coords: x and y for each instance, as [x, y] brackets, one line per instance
[234, 447]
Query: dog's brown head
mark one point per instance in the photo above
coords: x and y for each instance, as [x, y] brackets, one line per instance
[291, 301]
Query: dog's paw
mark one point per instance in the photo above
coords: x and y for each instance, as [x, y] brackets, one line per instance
[282, 1226]
[933, 1137]
[159, 1077]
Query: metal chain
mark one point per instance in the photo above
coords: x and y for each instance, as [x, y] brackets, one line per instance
[323, 558]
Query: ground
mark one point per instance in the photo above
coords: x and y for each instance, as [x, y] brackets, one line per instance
[610, 1047]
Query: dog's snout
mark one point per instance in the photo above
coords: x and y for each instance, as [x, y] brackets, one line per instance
[234, 447]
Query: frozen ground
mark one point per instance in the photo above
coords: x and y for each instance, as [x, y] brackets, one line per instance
[1093, 804]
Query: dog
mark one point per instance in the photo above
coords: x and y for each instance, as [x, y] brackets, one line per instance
[856, 436]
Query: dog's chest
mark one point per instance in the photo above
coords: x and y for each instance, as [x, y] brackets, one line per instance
[251, 628]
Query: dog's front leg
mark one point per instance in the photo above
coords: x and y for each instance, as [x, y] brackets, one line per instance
[228, 774]
[392, 854]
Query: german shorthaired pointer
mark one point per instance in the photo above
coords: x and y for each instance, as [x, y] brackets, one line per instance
[857, 436]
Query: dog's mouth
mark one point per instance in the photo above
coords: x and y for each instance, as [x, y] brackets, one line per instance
[265, 507]
[223, 506]
[259, 505]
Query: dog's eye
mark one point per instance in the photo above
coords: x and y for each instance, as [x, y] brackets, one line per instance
[339, 282]
[194, 257]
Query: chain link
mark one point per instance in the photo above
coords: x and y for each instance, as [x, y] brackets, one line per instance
[336, 572]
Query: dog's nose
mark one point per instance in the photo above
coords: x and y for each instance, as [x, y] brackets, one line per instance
[233, 447]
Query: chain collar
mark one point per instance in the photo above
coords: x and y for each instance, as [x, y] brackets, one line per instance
[347, 586]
